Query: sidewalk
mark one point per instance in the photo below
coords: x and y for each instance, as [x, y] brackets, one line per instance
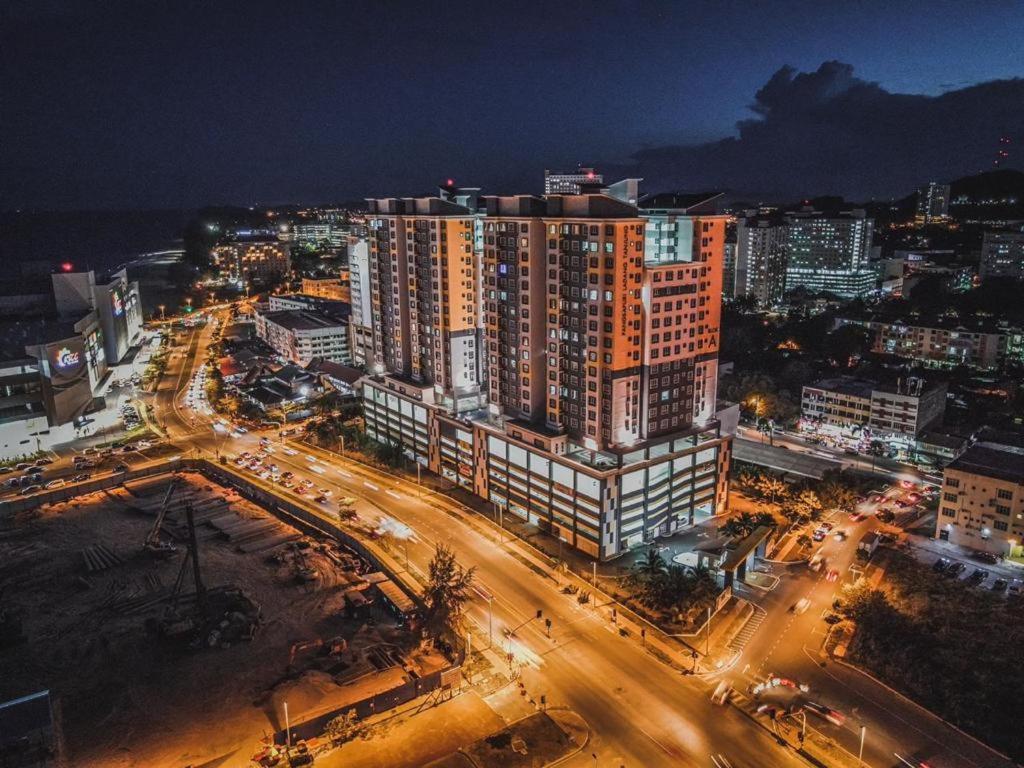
[412, 740]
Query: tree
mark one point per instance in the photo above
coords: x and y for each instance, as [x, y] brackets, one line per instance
[772, 488]
[445, 594]
[344, 727]
[650, 565]
[744, 524]
[390, 453]
[846, 343]
[835, 494]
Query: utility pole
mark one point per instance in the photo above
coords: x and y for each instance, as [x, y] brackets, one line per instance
[287, 727]
[707, 642]
[860, 753]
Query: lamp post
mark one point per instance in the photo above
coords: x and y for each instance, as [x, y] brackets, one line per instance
[860, 752]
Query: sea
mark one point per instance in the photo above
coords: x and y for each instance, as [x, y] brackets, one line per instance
[97, 240]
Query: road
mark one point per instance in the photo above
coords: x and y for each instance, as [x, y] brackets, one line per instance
[891, 470]
[642, 712]
[789, 643]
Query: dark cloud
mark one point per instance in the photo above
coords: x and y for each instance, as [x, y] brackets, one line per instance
[831, 132]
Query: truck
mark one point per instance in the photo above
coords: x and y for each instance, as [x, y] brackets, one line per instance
[868, 544]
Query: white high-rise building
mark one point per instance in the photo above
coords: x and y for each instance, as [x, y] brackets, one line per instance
[830, 252]
[361, 323]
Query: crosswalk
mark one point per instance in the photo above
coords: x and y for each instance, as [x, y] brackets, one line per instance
[739, 642]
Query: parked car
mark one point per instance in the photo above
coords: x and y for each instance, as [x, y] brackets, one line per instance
[22, 466]
[941, 565]
[977, 576]
[122, 467]
[885, 515]
[955, 569]
[79, 478]
[60, 481]
[29, 490]
[986, 557]
[43, 462]
[999, 585]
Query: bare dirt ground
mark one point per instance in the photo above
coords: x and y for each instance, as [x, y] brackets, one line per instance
[129, 697]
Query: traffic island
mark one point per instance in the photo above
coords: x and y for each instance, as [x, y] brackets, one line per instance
[533, 742]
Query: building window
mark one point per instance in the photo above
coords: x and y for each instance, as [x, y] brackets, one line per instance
[1003, 493]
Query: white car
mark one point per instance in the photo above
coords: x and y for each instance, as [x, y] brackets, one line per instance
[290, 452]
[56, 483]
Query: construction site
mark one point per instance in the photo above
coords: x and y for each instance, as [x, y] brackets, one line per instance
[175, 623]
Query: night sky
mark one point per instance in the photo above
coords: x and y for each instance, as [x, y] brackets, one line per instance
[181, 104]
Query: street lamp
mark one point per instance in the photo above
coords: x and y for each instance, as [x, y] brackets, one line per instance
[860, 753]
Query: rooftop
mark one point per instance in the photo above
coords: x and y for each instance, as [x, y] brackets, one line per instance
[301, 320]
[1003, 462]
[847, 385]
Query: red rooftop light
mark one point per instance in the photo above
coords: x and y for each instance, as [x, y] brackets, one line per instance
[67, 266]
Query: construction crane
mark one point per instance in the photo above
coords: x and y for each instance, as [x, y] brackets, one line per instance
[153, 542]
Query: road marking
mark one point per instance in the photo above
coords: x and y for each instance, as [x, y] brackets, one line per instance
[370, 485]
[343, 473]
[389, 492]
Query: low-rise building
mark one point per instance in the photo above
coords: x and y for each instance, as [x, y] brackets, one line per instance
[982, 503]
[937, 346]
[300, 335]
[853, 412]
[287, 388]
[334, 288]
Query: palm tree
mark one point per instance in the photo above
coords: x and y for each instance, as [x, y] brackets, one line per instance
[652, 564]
[772, 487]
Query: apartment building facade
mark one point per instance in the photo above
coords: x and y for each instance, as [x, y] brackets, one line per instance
[939, 347]
[1002, 255]
[982, 503]
[596, 418]
[830, 252]
[301, 335]
[243, 261]
[761, 259]
[361, 296]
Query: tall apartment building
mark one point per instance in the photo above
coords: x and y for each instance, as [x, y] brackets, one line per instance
[243, 261]
[932, 203]
[761, 258]
[1002, 255]
[320, 233]
[830, 252]
[982, 505]
[570, 182]
[425, 289]
[600, 363]
[361, 321]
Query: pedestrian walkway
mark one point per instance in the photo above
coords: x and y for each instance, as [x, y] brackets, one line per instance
[740, 640]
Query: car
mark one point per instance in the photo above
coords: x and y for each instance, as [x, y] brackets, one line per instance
[906, 484]
[43, 462]
[817, 563]
[321, 499]
[241, 429]
[326, 492]
[833, 716]
[80, 477]
[986, 557]
[977, 576]
[306, 484]
[999, 585]
[287, 475]
[818, 535]
[940, 565]
[286, 483]
[299, 491]
[832, 575]
[290, 452]
[22, 466]
[5, 470]
[13, 482]
[839, 536]
[902, 504]
[913, 497]
[346, 501]
[239, 460]
[129, 448]
[263, 474]
[30, 489]
[955, 569]
[826, 527]
[1015, 587]
[856, 517]
[800, 606]
[60, 481]
[885, 515]
[268, 449]
[722, 693]
[122, 467]
[143, 444]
